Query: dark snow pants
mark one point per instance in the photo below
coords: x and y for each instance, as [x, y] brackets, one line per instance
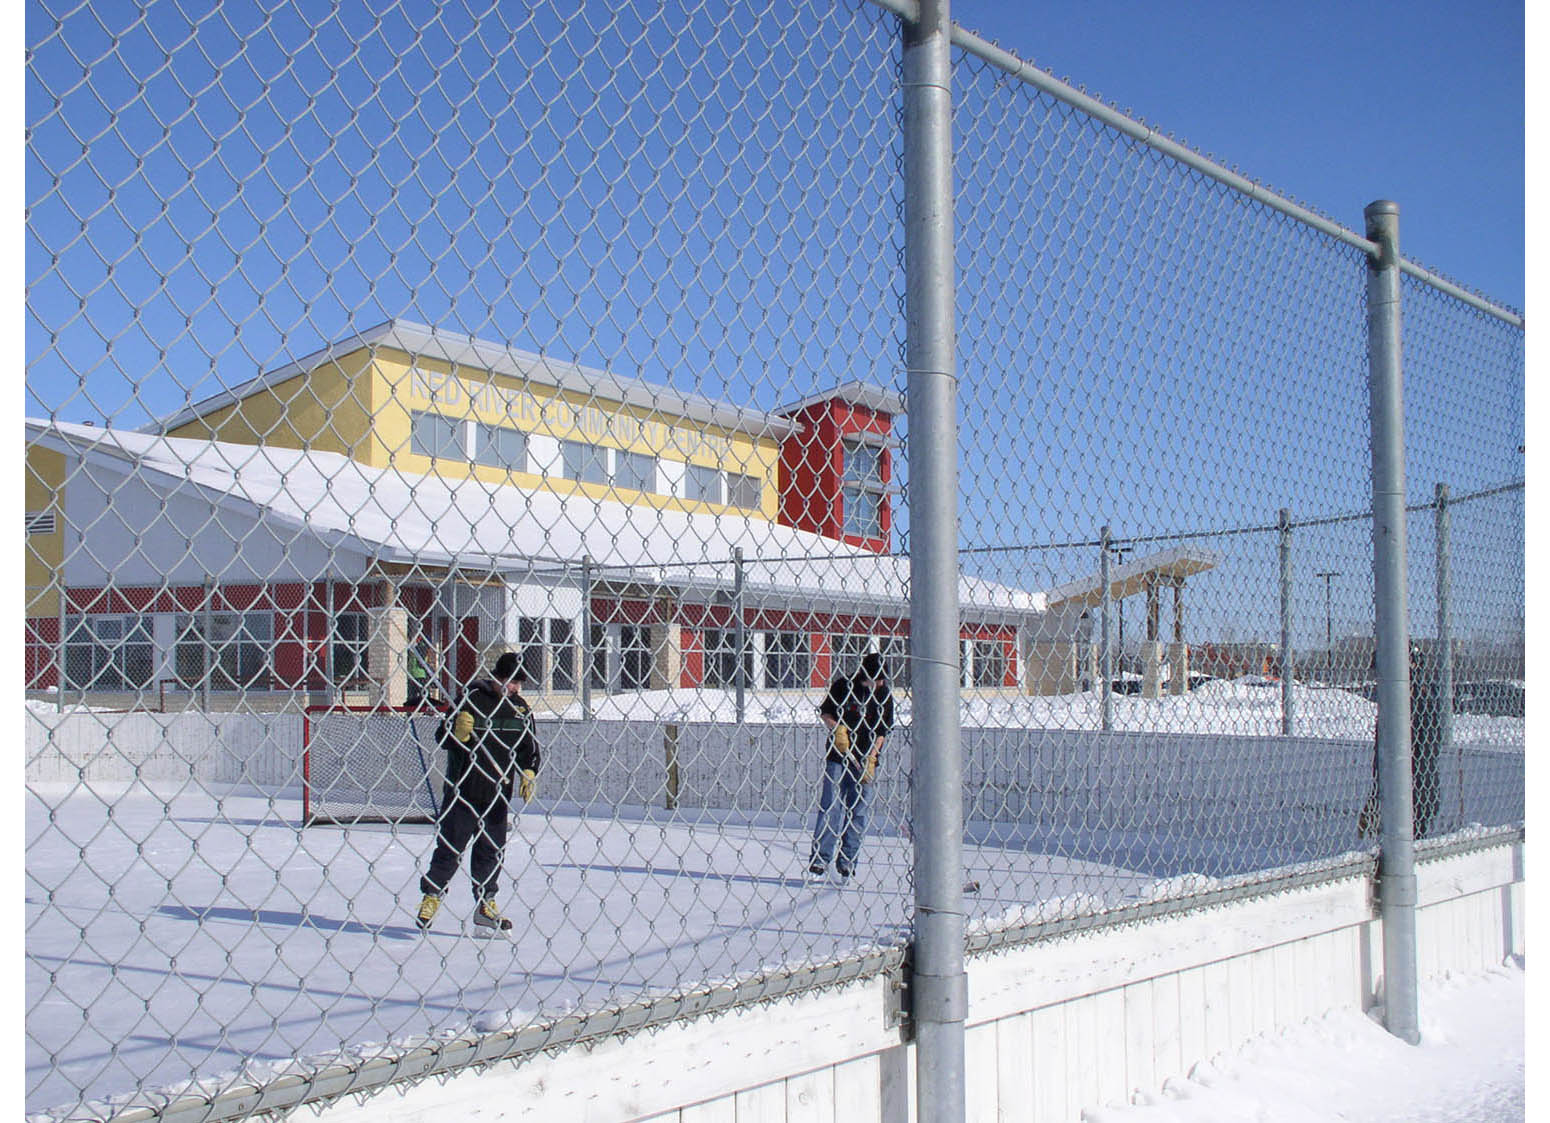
[473, 808]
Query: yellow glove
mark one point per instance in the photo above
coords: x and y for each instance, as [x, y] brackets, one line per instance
[527, 785]
[870, 769]
[463, 726]
[842, 738]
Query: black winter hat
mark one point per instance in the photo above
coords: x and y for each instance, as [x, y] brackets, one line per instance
[509, 668]
[872, 665]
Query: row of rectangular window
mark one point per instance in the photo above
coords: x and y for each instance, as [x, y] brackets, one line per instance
[495, 446]
[117, 653]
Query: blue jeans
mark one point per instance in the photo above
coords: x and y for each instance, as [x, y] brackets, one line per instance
[842, 815]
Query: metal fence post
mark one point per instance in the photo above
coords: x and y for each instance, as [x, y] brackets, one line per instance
[1288, 657]
[1445, 635]
[1105, 658]
[938, 984]
[586, 637]
[207, 623]
[1444, 617]
[1396, 863]
[739, 637]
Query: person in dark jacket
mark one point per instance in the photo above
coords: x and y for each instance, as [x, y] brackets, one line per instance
[1425, 748]
[490, 744]
[858, 713]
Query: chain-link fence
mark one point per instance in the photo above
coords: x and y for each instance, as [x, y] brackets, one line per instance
[366, 348]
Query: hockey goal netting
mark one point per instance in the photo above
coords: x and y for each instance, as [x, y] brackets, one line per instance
[379, 765]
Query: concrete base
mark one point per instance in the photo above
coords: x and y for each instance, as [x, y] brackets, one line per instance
[1178, 668]
[1151, 669]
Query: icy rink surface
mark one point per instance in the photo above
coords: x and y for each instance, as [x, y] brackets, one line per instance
[195, 934]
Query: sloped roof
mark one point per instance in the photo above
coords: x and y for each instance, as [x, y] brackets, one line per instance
[432, 520]
[418, 340]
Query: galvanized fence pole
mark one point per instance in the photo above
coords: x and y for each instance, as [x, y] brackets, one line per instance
[1105, 657]
[1445, 636]
[1288, 657]
[938, 984]
[586, 637]
[1444, 619]
[739, 636]
[1396, 864]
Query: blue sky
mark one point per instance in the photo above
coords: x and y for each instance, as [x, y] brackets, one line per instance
[1333, 103]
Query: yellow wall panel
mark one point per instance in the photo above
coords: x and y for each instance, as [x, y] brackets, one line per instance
[45, 488]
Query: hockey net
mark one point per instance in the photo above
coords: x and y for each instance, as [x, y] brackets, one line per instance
[378, 765]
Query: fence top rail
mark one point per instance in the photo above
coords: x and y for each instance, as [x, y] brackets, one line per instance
[1046, 82]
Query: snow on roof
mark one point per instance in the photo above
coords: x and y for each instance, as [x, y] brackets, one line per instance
[429, 519]
[420, 341]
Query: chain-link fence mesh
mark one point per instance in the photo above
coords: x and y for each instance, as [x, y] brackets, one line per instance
[368, 347]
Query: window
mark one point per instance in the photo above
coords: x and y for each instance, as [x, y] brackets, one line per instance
[235, 653]
[530, 650]
[109, 653]
[721, 658]
[634, 657]
[583, 462]
[597, 673]
[438, 437]
[562, 646]
[787, 662]
[744, 491]
[989, 662]
[848, 650]
[351, 631]
[702, 484]
[896, 661]
[621, 657]
[500, 447]
[864, 491]
[635, 470]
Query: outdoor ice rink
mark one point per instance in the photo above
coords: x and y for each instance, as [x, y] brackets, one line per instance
[190, 931]
[178, 928]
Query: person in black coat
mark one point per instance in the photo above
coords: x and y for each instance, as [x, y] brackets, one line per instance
[1425, 749]
[858, 713]
[491, 747]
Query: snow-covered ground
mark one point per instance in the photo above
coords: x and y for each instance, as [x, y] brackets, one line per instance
[1344, 1067]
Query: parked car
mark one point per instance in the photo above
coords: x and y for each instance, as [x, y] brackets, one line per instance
[1494, 697]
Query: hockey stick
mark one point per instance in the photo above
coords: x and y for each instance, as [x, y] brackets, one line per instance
[425, 767]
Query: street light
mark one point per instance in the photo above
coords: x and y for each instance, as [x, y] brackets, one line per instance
[1329, 634]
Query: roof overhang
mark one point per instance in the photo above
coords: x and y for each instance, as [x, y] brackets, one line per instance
[1166, 567]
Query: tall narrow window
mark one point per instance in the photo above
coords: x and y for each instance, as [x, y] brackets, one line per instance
[787, 662]
[863, 491]
[634, 657]
[562, 647]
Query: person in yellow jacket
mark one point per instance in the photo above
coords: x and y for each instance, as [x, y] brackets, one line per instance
[858, 713]
[491, 747]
